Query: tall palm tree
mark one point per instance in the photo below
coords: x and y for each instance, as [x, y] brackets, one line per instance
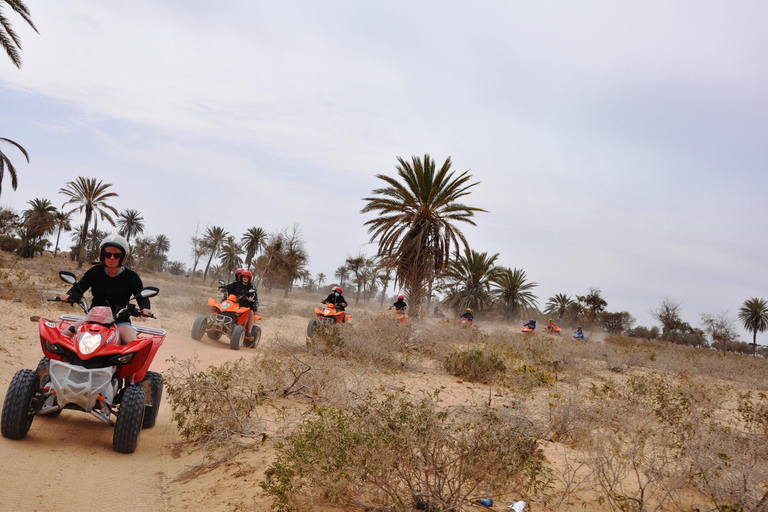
[512, 292]
[92, 197]
[415, 221]
[8, 38]
[557, 305]
[356, 265]
[341, 274]
[754, 316]
[130, 223]
[253, 242]
[468, 280]
[63, 223]
[229, 256]
[320, 279]
[4, 160]
[213, 238]
[39, 221]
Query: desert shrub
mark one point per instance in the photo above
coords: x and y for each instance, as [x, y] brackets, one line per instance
[379, 342]
[279, 309]
[477, 365]
[652, 333]
[535, 375]
[391, 453]
[9, 243]
[216, 407]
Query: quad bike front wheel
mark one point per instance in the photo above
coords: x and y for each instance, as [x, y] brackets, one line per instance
[129, 420]
[151, 409]
[198, 327]
[238, 335]
[214, 335]
[17, 409]
[311, 326]
[43, 367]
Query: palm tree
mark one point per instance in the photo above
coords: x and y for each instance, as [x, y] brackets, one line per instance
[39, 221]
[8, 38]
[468, 280]
[4, 160]
[355, 265]
[253, 242]
[384, 276]
[341, 274]
[130, 223]
[754, 316]
[415, 222]
[320, 279]
[512, 293]
[212, 240]
[92, 197]
[63, 223]
[557, 305]
[230, 255]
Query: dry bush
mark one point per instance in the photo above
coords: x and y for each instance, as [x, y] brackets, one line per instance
[392, 453]
[476, 365]
[379, 342]
[280, 309]
[443, 337]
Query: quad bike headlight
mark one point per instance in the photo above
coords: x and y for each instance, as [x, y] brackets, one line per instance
[89, 342]
[225, 305]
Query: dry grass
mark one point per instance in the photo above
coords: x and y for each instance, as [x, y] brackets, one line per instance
[627, 424]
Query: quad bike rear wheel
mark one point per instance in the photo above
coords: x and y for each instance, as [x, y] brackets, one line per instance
[17, 409]
[129, 420]
[256, 333]
[155, 381]
[198, 328]
[238, 335]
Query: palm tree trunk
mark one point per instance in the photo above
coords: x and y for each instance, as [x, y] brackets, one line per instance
[207, 265]
[56, 250]
[83, 236]
[754, 343]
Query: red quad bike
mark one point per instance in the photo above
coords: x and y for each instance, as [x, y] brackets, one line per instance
[553, 329]
[230, 319]
[327, 316]
[92, 372]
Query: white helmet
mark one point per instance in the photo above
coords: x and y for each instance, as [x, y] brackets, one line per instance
[115, 241]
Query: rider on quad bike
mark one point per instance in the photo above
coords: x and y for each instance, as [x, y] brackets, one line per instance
[337, 299]
[400, 305]
[248, 297]
[112, 285]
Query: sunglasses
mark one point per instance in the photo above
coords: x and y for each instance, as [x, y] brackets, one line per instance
[115, 255]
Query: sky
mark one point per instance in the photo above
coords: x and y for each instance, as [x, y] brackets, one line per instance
[617, 145]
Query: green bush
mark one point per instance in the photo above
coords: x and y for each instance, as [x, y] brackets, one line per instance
[475, 365]
[392, 453]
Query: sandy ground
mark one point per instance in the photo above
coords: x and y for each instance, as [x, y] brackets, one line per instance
[67, 463]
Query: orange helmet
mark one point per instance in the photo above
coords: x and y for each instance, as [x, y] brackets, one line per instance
[338, 289]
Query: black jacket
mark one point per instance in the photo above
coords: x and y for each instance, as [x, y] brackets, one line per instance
[244, 292]
[114, 292]
[469, 316]
[400, 304]
[337, 300]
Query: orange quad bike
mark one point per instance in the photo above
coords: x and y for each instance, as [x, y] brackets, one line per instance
[553, 329]
[327, 316]
[528, 328]
[397, 314]
[230, 319]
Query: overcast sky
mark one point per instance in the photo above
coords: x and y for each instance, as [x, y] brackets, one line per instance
[618, 145]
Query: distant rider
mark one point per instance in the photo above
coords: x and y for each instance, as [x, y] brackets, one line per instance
[337, 299]
[247, 297]
[468, 316]
[579, 333]
[531, 325]
[400, 305]
[111, 285]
